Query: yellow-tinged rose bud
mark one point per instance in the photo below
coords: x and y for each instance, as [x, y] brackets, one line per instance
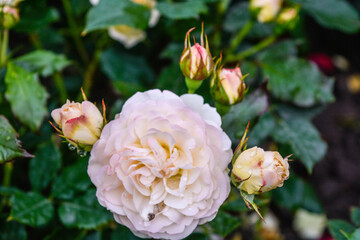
[288, 18]
[260, 171]
[265, 10]
[227, 86]
[81, 123]
[196, 62]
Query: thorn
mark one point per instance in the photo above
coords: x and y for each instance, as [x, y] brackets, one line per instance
[83, 94]
[287, 157]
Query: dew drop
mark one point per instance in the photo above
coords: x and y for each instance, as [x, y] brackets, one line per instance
[82, 153]
[71, 147]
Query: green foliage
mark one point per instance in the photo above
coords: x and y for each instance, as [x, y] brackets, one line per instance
[303, 138]
[72, 180]
[224, 223]
[12, 230]
[44, 166]
[10, 146]
[182, 10]
[24, 91]
[306, 87]
[295, 194]
[340, 229]
[84, 212]
[122, 69]
[337, 14]
[116, 12]
[43, 62]
[355, 216]
[31, 209]
[234, 122]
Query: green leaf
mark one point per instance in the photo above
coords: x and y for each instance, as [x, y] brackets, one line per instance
[237, 17]
[355, 235]
[295, 194]
[182, 10]
[117, 12]
[26, 95]
[84, 212]
[10, 146]
[12, 230]
[36, 15]
[355, 215]
[280, 51]
[262, 129]
[339, 227]
[122, 232]
[123, 70]
[304, 139]
[44, 62]
[172, 79]
[31, 209]
[336, 14]
[299, 81]
[73, 179]
[234, 122]
[44, 166]
[224, 223]
[197, 236]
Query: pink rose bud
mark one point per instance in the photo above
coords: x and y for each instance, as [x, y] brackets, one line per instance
[10, 16]
[260, 171]
[265, 10]
[196, 62]
[81, 123]
[227, 85]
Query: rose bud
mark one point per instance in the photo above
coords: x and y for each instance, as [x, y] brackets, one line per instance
[10, 16]
[260, 171]
[227, 85]
[196, 62]
[81, 123]
[288, 18]
[265, 10]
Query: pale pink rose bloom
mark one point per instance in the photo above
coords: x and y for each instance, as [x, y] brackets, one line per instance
[161, 166]
[81, 123]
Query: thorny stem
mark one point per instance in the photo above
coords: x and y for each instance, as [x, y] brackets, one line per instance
[240, 36]
[251, 51]
[74, 31]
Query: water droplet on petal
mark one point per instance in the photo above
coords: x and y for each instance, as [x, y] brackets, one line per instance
[71, 147]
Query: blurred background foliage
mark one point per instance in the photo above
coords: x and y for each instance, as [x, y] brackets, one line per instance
[57, 47]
